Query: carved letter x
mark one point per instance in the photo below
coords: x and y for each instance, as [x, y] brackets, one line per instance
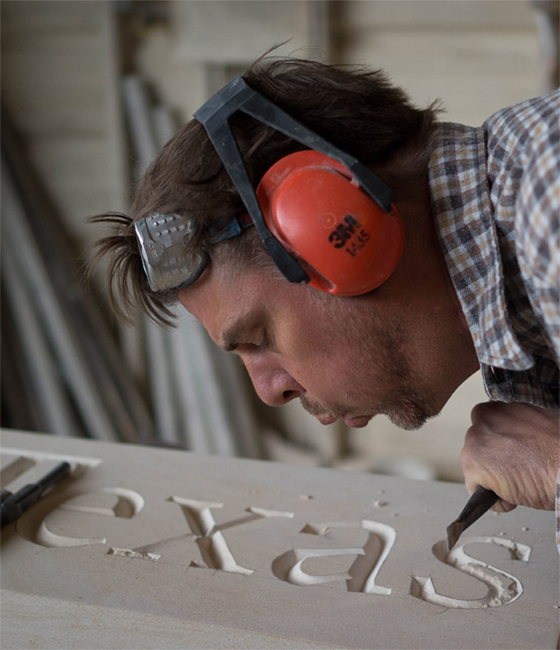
[211, 542]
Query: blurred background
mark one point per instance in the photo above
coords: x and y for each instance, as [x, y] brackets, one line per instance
[91, 90]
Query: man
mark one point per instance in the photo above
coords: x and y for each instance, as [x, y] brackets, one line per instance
[476, 285]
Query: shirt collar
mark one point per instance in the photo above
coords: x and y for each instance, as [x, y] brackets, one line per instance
[463, 215]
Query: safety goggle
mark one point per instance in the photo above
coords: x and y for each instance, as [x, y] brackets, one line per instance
[166, 257]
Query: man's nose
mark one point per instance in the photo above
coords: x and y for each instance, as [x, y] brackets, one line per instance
[274, 385]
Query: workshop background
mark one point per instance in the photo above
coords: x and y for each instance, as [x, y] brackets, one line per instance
[91, 90]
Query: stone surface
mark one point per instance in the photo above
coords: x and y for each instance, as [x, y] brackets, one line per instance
[146, 548]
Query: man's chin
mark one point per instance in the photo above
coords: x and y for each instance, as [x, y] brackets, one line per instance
[412, 418]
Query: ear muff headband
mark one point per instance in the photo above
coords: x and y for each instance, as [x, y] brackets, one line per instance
[214, 116]
[238, 96]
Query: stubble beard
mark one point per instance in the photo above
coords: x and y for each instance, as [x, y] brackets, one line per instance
[408, 410]
[411, 403]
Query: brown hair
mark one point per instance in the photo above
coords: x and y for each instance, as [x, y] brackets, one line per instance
[357, 109]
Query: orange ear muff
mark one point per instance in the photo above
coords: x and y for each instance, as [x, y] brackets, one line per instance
[312, 205]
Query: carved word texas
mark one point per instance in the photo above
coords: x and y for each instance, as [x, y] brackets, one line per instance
[215, 553]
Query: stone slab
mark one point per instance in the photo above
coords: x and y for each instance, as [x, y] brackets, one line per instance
[146, 548]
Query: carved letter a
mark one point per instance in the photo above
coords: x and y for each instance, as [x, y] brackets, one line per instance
[362, 573]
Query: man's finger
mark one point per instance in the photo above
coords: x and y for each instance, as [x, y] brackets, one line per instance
[503, 506]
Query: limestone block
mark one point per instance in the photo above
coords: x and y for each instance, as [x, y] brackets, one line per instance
[151, 548]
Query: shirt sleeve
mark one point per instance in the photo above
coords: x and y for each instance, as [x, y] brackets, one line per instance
[537, 225]
[558, 511]
[538, 236]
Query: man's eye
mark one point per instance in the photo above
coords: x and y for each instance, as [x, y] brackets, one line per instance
[265, 342]
[258, 344]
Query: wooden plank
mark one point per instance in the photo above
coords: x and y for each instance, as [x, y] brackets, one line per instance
[65, 342]
[429, 14]
[46, 15]
[474, 73]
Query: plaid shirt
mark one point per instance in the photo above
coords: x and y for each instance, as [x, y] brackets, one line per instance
[496, 200]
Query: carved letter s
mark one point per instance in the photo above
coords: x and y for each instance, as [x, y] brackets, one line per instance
[503, 588]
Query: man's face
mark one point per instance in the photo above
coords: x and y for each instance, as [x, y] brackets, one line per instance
[340, 356]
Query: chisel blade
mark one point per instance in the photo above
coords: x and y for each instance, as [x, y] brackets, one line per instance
[480, 502]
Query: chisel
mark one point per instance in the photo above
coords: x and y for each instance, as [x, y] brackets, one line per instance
[480, 502]
[14, 505]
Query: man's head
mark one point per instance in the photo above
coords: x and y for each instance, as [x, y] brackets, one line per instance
[343, 357]
[356, 110]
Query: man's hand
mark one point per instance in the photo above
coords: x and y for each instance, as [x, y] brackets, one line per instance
[513, 449]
